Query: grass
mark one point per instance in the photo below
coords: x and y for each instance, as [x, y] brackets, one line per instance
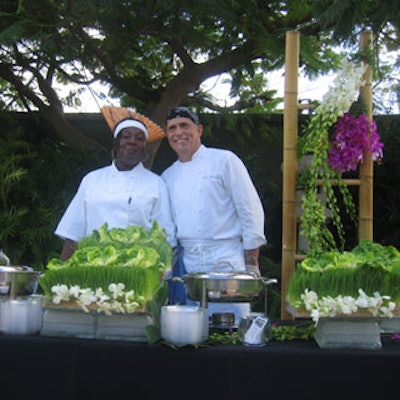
[143, 281]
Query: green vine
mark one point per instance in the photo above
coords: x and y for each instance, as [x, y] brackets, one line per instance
[302, 331]
[320, 177]
[314, 217]
[281, 333]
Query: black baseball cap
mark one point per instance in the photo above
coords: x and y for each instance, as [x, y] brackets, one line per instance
[183, 112]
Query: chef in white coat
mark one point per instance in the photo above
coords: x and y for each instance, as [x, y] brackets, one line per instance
[215, 205]
[120, 194]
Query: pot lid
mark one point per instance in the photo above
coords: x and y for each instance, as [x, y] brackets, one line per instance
[222, 275]
[16, 269]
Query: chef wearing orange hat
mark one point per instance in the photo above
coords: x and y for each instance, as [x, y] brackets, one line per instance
[120, 194]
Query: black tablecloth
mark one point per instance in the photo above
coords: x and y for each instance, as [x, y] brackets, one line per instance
[62, 368]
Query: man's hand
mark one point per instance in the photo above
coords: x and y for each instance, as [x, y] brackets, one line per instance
[253, 269]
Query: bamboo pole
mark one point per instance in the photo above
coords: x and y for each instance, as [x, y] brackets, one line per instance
[366, 167]
[290, 133]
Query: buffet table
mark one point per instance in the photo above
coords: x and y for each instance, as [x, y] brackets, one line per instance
[66, 368]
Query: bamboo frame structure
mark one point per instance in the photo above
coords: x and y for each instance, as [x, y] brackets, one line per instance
[366, 167]
[290, 134]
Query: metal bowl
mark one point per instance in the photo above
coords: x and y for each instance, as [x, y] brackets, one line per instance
[18, 280]
[224, 286]
[222, 319]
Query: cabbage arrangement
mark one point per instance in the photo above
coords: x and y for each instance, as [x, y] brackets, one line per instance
[134, 256]
[369, 266]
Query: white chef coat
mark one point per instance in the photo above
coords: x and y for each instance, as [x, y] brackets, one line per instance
[217, 211]
[121, 198]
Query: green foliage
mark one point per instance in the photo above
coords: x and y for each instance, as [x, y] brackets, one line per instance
[313, 220]
[386, 181]
[19, 218]
[368, 266]
[133, 246]
[279, 332]
[98, 35]
[143, 281]
[318, 57]
[129, 256]
[296, 331]
[153, 331]
[177, 45]
[223, 337]
[38, 177]
[347, 15]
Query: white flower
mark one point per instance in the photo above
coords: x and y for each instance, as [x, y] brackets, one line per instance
[118, 307]
[131, 307]
[315, 315]
[87, 297]
[99, 292]
[344, 91]
[362, 302]
[56, 299]
[104, 307]
[75, 291]
[116, 290]
[117, 301]
[328, 306]
[309, 298]
[387, 311]
[129, 297]
[61, 293]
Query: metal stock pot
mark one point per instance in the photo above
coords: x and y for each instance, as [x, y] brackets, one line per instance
[18, 280]
[224, 286]
[184, 324]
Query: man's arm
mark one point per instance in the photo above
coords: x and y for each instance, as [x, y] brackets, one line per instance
[68, 249]
[251, 261]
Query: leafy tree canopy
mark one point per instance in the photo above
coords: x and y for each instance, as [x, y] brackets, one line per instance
[154, 54]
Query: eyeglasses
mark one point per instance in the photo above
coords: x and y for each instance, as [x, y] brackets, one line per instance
[183, 112]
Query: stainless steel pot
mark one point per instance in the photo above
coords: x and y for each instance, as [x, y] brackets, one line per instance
[224, 286]
[184, 324]
[18, 280]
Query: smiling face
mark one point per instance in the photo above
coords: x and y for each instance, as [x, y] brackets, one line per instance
[129, 148]
[184, 136]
